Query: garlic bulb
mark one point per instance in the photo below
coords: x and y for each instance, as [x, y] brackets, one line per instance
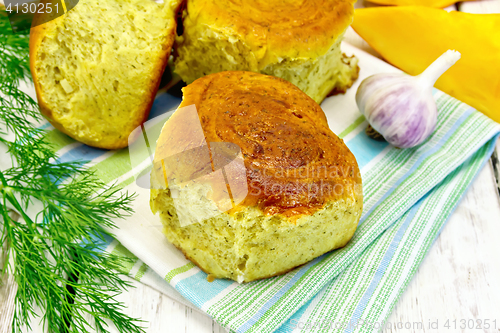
[401, 107]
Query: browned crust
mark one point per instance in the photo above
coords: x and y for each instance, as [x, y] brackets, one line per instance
[279, 29]
[294, 163]
[268, 118]
[36, 37]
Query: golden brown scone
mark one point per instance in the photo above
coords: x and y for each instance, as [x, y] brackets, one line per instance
[304, 186]
[97, 68]
[296, 40]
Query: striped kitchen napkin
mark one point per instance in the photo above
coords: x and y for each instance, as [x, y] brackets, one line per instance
[408, 196]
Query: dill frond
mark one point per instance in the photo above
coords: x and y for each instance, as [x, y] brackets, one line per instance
[53, 255]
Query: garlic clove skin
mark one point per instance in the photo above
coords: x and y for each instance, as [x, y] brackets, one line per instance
[401, 107]
[404, 113]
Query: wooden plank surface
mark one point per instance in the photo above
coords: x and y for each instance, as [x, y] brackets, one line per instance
[457, 281]
[459, 278]
[480, 7]
[8, 288]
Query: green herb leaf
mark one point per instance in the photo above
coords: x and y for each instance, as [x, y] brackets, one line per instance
[55, 258]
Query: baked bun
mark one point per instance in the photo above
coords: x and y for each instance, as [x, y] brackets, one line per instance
[97, 68]
[296, 40]
[295, 187]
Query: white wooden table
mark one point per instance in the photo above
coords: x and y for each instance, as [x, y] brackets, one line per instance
[458, 280]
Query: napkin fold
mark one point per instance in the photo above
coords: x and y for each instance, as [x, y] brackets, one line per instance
[408, 196]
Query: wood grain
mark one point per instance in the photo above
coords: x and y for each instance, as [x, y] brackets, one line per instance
[458, 279]
[164, 314]
[8, 288]
[480, 7]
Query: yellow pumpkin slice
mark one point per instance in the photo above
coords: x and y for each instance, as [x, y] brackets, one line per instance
[412, 37]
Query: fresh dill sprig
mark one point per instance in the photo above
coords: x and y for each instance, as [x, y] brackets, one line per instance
[54, 256]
